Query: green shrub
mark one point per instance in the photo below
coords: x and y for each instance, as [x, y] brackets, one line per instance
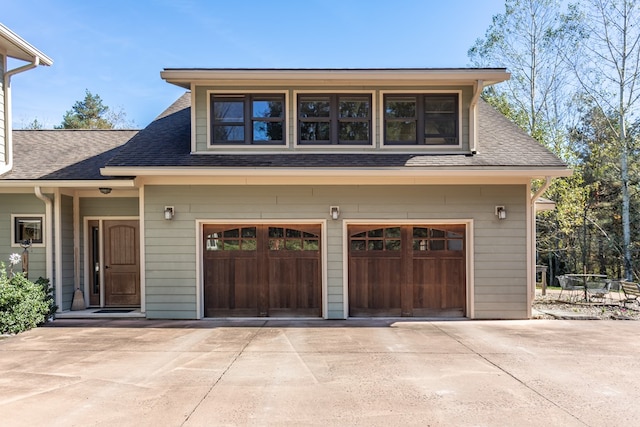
[23, 303]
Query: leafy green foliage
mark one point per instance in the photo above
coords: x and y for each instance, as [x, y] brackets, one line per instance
[574, 72]
[23, 303]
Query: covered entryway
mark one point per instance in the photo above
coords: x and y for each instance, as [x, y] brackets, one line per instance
[407, 270]
[114, 255]
[262, 270]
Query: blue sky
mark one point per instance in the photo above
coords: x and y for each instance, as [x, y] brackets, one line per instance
[117, 48]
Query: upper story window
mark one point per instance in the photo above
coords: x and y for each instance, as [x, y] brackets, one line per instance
[248, 119]
[334, 119]
[421, 119]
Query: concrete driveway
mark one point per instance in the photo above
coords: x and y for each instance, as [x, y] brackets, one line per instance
[325, 373]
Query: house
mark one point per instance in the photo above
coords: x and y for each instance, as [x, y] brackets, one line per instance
[308, 193]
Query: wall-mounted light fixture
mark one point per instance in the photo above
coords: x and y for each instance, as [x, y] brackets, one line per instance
[334, 211]
[501, 212]
[169, 212]
[105, 190]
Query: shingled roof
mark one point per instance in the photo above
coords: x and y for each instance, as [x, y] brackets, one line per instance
[64, 154]
[166, 142]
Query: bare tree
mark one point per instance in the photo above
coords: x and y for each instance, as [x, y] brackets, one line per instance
[606, 61]
[525, 39]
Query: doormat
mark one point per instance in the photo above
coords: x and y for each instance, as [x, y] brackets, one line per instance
[113, 310]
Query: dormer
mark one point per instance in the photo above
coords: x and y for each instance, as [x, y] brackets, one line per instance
[13, 46]
[418, 110]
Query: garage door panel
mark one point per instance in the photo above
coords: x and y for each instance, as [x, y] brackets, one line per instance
[376, 288]
[293, 287]
[230, 287]
[408, 270]
[453, 284]
[426, 284]
[262, 270]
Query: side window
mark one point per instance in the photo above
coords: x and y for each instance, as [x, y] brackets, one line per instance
[247, 119]
[422, 119]
[325, 119]
[27, 229]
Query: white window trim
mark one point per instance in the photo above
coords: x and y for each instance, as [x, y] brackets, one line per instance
[13, 230]
[242, 147]
[400, 147]
[340, 147]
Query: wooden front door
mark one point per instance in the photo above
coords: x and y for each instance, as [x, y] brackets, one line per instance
[121, 263]
[262, 270]
[407, 270]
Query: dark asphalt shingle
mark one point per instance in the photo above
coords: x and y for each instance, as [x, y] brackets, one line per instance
[166, 142]
[64, 154]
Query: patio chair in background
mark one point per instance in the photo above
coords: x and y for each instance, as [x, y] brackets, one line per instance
[598, 289]
[573, 286]
[631, 291]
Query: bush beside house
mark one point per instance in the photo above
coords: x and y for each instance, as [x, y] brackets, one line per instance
[23, 304]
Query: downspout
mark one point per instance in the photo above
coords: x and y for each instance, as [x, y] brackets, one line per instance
[48, 233]
[8, 131]
[532, 246]
[473, 119]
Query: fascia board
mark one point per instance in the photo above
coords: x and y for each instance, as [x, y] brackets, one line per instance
[325, 172]
[116, 183]
[17, 47]
[185, 77]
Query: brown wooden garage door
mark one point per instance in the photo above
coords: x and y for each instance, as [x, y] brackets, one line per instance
[262, 270]
[407, 270]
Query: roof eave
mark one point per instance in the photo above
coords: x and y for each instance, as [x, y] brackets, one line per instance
[18, 48]
[185, 77]
[112, 183]
[328, 171]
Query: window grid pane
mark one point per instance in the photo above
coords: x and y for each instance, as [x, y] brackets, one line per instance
[232, 240]
[379, 239]
[291, 239]
[433, 239]
[435, 115]
[247, 119]
[334, 119]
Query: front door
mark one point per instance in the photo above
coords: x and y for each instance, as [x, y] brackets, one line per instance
[121, 263]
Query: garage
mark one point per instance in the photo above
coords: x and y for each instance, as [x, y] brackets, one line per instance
[407, 270]
[262, 270]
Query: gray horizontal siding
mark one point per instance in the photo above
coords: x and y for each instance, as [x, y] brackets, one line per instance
[500, 246]
[21, 204]
[68, 273]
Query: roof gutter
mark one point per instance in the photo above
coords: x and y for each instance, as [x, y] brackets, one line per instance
[478, 87]
[96, 183]
[326, 172]
[8, 129]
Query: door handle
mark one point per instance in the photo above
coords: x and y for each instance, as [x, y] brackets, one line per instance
[106, 267]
